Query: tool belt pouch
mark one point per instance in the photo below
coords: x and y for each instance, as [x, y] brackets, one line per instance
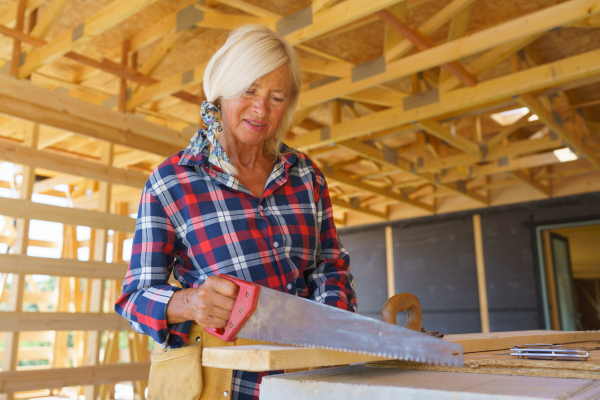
[176, 374]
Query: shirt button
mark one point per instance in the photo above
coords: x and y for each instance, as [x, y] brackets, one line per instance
[289, 286]
[276, 244]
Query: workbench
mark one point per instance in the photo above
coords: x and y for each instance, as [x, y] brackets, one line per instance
[489, 371]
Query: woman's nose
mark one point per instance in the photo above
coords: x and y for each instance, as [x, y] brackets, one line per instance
[259, 105]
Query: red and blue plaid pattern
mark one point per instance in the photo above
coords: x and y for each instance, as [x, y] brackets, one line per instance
[285, 240]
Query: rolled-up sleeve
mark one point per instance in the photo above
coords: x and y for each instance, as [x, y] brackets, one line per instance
[146, 291]
[330, 282]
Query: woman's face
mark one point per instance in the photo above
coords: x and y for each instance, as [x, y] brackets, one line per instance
[254, 117]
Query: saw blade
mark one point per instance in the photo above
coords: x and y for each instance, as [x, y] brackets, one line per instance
[285, 319]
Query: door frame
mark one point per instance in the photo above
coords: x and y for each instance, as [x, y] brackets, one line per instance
[573, 223]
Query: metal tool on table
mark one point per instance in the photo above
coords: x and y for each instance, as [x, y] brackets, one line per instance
[543, 351]
[268, 315]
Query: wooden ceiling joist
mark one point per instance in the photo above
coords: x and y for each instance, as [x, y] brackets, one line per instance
[23, 100]
[544, 20]
[530, 80]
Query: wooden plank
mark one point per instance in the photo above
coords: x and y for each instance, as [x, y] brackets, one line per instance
[111, 15]
[481, 282]
[42, 159]
[20, 263]
[49, 17]
[27, 209]
[26, 101]
[504, 364]
[272, 357]
[17, 287]
[7, 17]
[528, 25]
[541, 77]
[16, 381]
[268, 357]
[14, 321]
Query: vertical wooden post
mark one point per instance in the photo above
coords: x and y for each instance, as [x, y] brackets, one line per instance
[483, 300]
[389, 261]
[17, 286]
[123, 82]
[97, 285]
[15, 61]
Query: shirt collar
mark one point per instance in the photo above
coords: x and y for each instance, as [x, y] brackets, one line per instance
[188, 158]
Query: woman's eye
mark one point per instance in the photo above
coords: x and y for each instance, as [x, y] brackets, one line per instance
[277, 100]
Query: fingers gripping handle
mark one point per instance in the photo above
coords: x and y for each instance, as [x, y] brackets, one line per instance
[403, 302]
[244, 306]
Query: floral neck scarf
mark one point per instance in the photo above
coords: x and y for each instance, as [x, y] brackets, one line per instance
[203, 137]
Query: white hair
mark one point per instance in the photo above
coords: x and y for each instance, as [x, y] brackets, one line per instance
[249, 53]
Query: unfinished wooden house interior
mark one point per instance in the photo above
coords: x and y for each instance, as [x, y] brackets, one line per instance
[460, 140]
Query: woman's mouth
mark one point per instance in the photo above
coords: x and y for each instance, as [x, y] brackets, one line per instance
[254, 125]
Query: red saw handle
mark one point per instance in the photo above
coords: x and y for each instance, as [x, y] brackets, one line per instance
[244, 306]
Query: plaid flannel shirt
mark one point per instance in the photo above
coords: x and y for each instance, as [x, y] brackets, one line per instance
[285, 240]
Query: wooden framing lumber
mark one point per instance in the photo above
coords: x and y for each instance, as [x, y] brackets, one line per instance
[8, 16]
[422, 42]
[250, 8]
[22, 264]
[42, 159]
[527, 178]
[357, 208]
[530, 80]
[559, 126]
[25, 101]
[273, 357]
[17, 381]
[18, 208]
[47, 20]
[111, 15]
[269, 357]
[380, 157]
[528, 25]
[346, 179]
[324, 21]
[429, 27]
[481, 281]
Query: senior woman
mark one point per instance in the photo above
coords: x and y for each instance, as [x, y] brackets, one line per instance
[236, 201]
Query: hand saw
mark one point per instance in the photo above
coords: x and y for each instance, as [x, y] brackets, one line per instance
[268, 315]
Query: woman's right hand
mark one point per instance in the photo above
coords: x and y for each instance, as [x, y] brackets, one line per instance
[209, 305]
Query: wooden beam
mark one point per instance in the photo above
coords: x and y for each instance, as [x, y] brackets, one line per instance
[422, 42]
[250, 8]
[357, 208]
[481, 282]
[541, 77]
[380, 157]
[527, 178]
[561, 127]
[50, 16]
[18, 208]
[108, 17]
[458, 28]
[460, 142]
[528, 25]
[429, 27]
[15, 62]
[36, 158]
[509, 130]
[23, 100]
[22, 264]
[324, 21]
[17, 381]
[346, 179]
